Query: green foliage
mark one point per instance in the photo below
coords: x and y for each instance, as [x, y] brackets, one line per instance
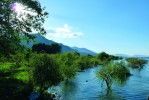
[40, 71]
[113, 71]
[18, 59]
[3, 59]
[14, 86]
[72, 62]
[105, 58]
[86, 61]
[44, 72]
[43, 48]
[136, 62]
[14, 28]
[55, 48]
[28, 55]
[68, 64]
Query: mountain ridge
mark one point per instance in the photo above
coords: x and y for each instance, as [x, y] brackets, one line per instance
[65, 48]
[84, 50]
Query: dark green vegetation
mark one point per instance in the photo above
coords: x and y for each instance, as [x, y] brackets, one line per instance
[44, 72]
[14, 82]
[113, 71]
[105, 58]
[136, 62]
[14, 27]
[27, 71]
[43, 48]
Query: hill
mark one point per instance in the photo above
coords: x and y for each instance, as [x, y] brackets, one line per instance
[65, 48]
[84, 51]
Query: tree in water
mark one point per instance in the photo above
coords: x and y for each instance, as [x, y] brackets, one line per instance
[136, 62]
[113, 71]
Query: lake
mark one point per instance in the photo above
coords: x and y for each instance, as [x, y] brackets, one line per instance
[86, 86]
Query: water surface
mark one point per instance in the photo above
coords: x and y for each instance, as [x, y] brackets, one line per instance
[86, 86]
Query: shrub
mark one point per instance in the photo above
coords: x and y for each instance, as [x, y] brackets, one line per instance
[113, 71]
[44, 72]
[136, 62]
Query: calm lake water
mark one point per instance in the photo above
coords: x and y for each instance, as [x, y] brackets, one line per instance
[86, 86]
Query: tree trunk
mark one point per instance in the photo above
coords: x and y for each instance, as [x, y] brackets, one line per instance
[108, 82]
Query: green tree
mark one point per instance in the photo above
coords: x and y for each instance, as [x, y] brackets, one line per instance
[105, 58]
[28, 54]
[113, 71]
[44, 72]
[43, 48]
[68, 64]
[86, 61]
[16, 26]
[18, 59]
[102, 56]
[55, 48]
[39, 48]
[136, 62]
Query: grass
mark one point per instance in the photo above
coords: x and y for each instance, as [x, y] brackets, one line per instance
[14, 82]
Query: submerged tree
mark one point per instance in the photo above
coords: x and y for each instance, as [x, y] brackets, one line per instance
[113, 71]
[136, 62]
[18, 18]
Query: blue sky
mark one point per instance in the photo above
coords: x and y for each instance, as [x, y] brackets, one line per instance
[113, 26]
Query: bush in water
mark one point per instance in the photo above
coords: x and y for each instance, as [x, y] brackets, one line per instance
[113, 71]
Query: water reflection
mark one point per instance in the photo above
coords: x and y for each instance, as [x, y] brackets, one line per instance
[109, 94]
[137, 72]
[69, 89]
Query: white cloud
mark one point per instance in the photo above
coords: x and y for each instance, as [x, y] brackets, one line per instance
[62, 32]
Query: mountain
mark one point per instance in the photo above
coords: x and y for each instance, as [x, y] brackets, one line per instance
[139, 56]
[65, 48]
[84, 51]
[122, 55]
[127, 56]
[39, 39]
[42, 39]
